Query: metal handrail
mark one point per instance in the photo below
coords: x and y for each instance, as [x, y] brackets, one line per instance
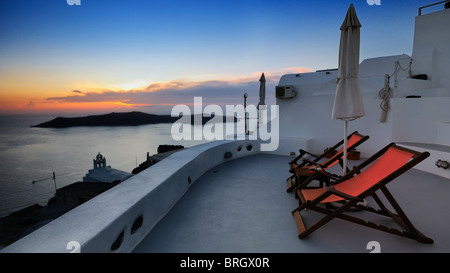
[420, 9]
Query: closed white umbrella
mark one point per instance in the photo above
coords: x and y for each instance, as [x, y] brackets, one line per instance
[348, 103]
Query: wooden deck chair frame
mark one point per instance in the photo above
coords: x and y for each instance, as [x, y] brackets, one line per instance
[350, 201]
[294, 180]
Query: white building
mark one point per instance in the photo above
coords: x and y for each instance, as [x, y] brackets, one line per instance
[103, 173]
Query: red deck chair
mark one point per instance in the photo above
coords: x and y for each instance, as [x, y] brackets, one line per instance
[383, 167]
[305, 169]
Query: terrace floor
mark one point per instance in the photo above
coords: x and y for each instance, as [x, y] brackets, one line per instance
[242, 207]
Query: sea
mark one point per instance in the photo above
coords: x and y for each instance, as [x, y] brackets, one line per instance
[30, 154]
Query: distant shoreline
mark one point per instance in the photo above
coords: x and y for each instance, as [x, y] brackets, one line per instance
[115, 119]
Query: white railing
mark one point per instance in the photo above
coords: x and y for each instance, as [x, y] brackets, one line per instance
[431, 5]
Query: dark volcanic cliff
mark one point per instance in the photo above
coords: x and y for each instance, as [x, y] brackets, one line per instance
[113, 119]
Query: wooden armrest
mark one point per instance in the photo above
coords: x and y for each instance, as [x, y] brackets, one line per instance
[313, 163]
[306, 152]
[343, 195]
[302, 153]
[325, 173]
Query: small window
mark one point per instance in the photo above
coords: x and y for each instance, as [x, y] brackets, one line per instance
[118, 242]
[137, 224]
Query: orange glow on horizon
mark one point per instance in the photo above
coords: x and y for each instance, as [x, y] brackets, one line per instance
[17, 97]
[42, 107]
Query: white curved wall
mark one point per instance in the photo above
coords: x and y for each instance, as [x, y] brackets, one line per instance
[151, 194]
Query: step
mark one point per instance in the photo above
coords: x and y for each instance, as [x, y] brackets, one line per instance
[443, 133]
[437, 152]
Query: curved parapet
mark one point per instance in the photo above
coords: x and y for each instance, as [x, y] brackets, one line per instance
[118, 219]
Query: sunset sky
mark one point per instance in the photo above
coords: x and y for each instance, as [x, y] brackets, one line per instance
[145, 55]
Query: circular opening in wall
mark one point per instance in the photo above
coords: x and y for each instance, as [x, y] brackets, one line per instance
[137, 224]
[249, 147]
[118, 242]
[228, 155]
[239, 148]
[189, 180]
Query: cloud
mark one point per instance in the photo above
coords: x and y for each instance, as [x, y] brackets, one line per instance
[30, 104]
[168, 85]
[167, 94]
[275, 75]
[297, 70]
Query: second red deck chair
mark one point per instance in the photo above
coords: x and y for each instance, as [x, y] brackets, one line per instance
[366, 180]
[302, 170]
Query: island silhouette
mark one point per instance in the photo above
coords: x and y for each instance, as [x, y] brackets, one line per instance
[134, 118]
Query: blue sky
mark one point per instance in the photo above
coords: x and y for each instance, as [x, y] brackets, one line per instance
[48, 48]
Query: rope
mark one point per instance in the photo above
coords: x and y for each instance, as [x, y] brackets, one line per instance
[399, 67]
[385, 94]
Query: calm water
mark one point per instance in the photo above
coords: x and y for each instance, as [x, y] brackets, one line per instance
[28, 154]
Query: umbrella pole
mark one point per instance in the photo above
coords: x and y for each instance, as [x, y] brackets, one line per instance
[345, 147]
